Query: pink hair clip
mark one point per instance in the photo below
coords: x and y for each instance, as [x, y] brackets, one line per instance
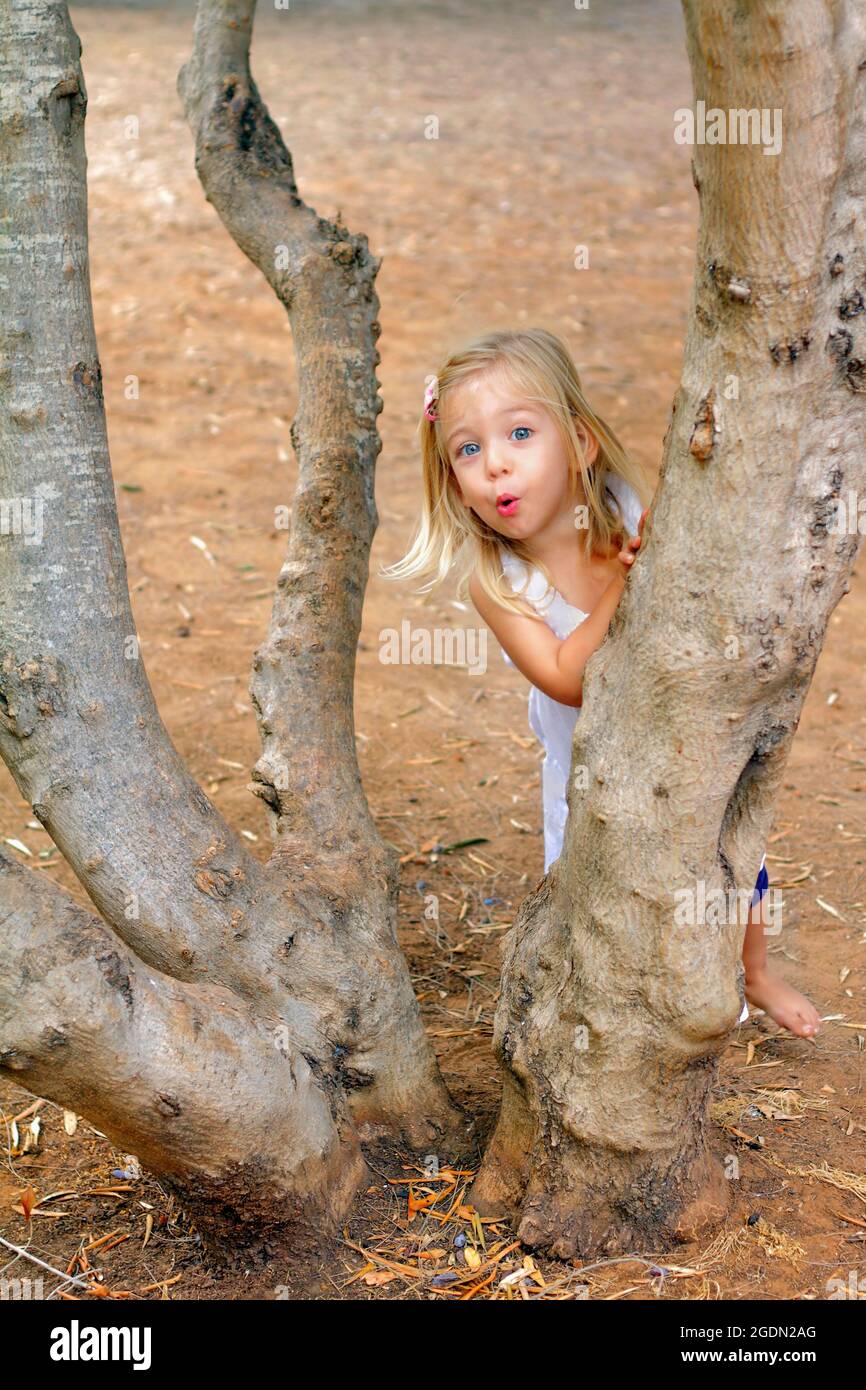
[430, 400]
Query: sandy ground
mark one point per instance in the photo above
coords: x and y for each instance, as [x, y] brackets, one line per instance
[555, 131]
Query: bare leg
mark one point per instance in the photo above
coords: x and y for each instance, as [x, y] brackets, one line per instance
[767, 990]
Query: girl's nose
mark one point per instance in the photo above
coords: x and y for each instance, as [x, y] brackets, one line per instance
[497, 465]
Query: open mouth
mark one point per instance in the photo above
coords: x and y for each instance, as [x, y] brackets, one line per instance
[506, 504]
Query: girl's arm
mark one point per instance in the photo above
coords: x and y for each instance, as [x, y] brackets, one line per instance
[531, 644]
[553, 665]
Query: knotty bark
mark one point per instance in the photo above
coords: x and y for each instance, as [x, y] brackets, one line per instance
[693, 701]
[187, 1076]
[306, 945]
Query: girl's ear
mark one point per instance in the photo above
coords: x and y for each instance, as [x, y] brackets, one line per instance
[589, 441]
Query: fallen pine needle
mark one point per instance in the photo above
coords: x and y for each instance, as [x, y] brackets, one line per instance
[118, 1241]
[163, 1284]
[408, 1270]
[757, 1066]
[95, 1244]
[854, 1220]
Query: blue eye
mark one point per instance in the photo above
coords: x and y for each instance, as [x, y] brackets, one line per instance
[527, 433]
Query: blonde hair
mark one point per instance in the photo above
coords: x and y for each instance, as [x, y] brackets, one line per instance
[541, 368]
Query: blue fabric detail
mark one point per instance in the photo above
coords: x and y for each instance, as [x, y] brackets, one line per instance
[761, 886]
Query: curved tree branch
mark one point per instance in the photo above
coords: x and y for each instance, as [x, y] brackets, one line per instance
[165, 1069]
[302, 683]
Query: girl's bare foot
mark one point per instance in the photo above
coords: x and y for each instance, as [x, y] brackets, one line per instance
[789, 1008]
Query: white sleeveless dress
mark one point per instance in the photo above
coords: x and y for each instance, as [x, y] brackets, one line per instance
[551, 722]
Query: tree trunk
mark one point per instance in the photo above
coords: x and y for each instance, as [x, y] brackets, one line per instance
[301, 950]
[611, 1015]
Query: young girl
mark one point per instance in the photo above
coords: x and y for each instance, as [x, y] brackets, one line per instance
[521, 475]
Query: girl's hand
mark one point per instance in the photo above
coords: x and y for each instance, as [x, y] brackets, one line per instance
[627, 555]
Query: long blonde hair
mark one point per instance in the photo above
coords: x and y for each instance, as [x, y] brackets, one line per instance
[449, 533]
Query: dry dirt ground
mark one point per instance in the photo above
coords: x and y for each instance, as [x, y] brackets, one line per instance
[555, 131]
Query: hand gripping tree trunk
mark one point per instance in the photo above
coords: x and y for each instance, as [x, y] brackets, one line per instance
[611, 1015]
[205, 958]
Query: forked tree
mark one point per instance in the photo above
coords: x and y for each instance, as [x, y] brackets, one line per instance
[211, 984]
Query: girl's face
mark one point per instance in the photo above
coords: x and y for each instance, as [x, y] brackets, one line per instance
[508, 457]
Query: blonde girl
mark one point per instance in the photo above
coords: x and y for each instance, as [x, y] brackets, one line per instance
[529, 495]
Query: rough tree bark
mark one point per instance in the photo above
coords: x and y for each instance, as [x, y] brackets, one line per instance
[692, 703]
[214, 984]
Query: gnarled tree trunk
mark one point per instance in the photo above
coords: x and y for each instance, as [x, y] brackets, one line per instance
[612, 1016]
[214, 983]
